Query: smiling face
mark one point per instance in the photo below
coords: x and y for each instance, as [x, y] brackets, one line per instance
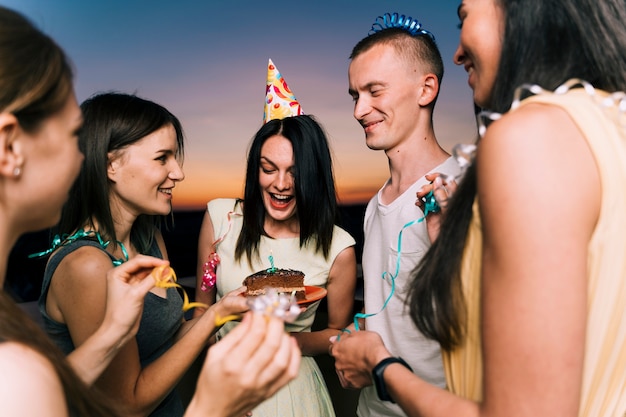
[144, 174]
[386, 96]
[276, 180]
[480, 45]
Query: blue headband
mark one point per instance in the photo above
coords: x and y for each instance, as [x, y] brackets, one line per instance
[389, 20]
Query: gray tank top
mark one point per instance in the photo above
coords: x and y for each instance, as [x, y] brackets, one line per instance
[160, 321]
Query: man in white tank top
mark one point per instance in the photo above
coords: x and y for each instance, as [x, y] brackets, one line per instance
[394, 78]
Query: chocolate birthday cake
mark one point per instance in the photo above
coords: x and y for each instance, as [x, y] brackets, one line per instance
[282, 280]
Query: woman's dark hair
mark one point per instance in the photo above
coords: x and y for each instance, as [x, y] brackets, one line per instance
[35, 74]
[314, 185]
[545, 42]
[112, 121]
[35, 83]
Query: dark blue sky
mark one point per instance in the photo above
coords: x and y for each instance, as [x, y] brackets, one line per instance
[206, 62]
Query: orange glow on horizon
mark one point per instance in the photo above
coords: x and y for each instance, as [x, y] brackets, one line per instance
[190, 198]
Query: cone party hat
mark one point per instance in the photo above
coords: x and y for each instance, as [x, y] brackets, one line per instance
[280, 102]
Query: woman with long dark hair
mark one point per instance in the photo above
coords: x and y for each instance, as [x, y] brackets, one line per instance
[133, 152]
[288, 214]
[525, 285]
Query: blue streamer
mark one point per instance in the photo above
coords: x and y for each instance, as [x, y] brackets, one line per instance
[66, 239]
[395, 20]
[430, 206]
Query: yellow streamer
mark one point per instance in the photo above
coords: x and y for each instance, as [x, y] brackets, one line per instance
[219, 321]
[165, 277]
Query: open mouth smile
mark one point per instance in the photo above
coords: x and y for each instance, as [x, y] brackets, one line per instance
[279, 200]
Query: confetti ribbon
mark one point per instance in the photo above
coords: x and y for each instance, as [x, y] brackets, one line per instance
[165, 277]
[464, 155]
[395, 20]
[430, 206]
[66, 239]
[220, 321]
[209, 273]
[275, 304]
[616, 99]
[270, 304]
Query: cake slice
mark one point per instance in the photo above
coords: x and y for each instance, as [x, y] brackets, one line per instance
[282, 280]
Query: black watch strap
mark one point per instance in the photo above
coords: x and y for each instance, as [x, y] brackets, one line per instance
[379, 381]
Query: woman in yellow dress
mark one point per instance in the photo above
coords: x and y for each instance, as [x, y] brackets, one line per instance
[529, 309]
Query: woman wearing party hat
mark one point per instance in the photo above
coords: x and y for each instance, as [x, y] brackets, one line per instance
[287, 220]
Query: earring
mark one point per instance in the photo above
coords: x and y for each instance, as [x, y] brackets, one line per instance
[17, 171]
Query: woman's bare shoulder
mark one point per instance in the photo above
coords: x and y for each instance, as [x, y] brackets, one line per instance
[27, 373]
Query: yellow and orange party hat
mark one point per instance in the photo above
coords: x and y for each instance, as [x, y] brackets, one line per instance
[279, 100]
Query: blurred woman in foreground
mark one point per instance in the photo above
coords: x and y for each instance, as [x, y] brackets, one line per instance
[39, 160]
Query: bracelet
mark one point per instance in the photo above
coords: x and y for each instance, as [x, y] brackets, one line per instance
[379, 381]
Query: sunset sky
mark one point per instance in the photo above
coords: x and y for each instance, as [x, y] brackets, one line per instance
[206, 62]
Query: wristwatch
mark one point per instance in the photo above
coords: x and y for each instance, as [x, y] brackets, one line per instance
[379, 381]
